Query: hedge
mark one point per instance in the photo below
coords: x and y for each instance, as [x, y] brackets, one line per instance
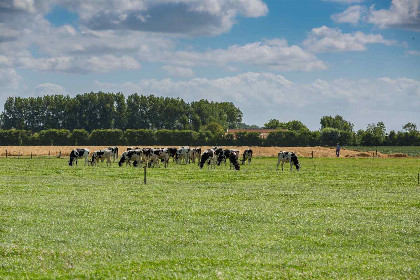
[145, 137]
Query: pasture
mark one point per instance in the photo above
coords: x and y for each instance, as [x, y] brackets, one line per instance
[336, 218]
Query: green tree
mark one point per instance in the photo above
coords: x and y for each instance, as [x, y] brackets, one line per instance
[409, 127]
[337, 122]
[272, 124]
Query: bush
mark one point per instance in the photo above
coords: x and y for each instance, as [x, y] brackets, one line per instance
[330, 136]
[106, 137]
[14, 137]
[79, 137]
[248, 139]
[140, 137]
[51, 137]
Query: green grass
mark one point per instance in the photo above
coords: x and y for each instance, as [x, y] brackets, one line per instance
[337, 218]
[412, 151]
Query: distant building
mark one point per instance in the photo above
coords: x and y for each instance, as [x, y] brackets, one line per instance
[263, 132]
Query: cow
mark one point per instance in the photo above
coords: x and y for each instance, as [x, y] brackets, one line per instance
[158, 155]
[101, 155]
[223, 155]
[183, 153]
[218, 154]
[114, 152]
[131, 155]
[234, 159]
[208, 157]
[195, 154]
[78, 153]
[247, 156]
[172, 153]
[288, 157]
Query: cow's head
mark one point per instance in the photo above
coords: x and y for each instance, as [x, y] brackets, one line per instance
[122, 160]
[295, 161]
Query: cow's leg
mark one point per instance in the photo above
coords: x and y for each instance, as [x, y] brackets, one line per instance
[291, 166]
[282, 163]
[278, 163]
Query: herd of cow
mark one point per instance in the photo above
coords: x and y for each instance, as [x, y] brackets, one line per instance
[152, 157]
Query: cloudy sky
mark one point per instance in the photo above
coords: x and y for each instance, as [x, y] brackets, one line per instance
[282, 59]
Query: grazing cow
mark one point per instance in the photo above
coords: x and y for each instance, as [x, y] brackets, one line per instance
[172, 153]
[195, 154]
[78, 153]
[101, 155]
[234, 159]
[247, 156]
[114, 152]
[158, 155]
[208, 157]
[223, 155]
[288, 157]
[132, 155]
[183, 153]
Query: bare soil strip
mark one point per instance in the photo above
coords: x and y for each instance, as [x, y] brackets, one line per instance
[258, 151]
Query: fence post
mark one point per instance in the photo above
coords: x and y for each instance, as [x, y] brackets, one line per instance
[49, 153]
[6, 152]
[31, 155]
[312, 154]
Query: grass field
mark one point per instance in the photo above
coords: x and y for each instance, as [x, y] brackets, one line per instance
[337, 218]
[412, 151]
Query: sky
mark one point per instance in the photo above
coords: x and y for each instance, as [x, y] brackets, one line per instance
[274, 59]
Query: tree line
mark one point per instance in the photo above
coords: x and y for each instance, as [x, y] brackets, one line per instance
[101, 110]
[102, 118]
[338, 130]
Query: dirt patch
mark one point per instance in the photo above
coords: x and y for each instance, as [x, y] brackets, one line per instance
[397, 155]
[258, 151]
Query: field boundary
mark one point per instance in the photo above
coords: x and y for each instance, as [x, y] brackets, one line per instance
[308, 152]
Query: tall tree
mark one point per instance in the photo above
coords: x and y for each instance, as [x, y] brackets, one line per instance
[337, 122]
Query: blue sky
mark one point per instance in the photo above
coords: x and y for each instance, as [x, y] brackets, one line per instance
[282, 59]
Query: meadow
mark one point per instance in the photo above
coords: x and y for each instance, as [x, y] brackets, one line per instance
[336, 218]
[412, 151]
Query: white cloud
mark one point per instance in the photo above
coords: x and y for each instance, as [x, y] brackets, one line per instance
[401, 14]
[9, 79]
[351, 15]
[175, 71]
[413, 52]
[10, 84]
[273, 54]
[49, 89]
[263, 96]
[181, 17]
[325, 39]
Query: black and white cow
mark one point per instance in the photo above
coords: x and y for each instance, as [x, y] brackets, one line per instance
[247, 156]
[78, 153]
[288, 157]
[172, 153]
[208, 157]
[195, 154]
[234, 159]
[222, 156]
[183, 154]
[134, 156]
[158, 155]
[114, 152]
[101, 155]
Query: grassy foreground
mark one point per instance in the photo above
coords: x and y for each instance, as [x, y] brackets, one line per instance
[337, 218]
